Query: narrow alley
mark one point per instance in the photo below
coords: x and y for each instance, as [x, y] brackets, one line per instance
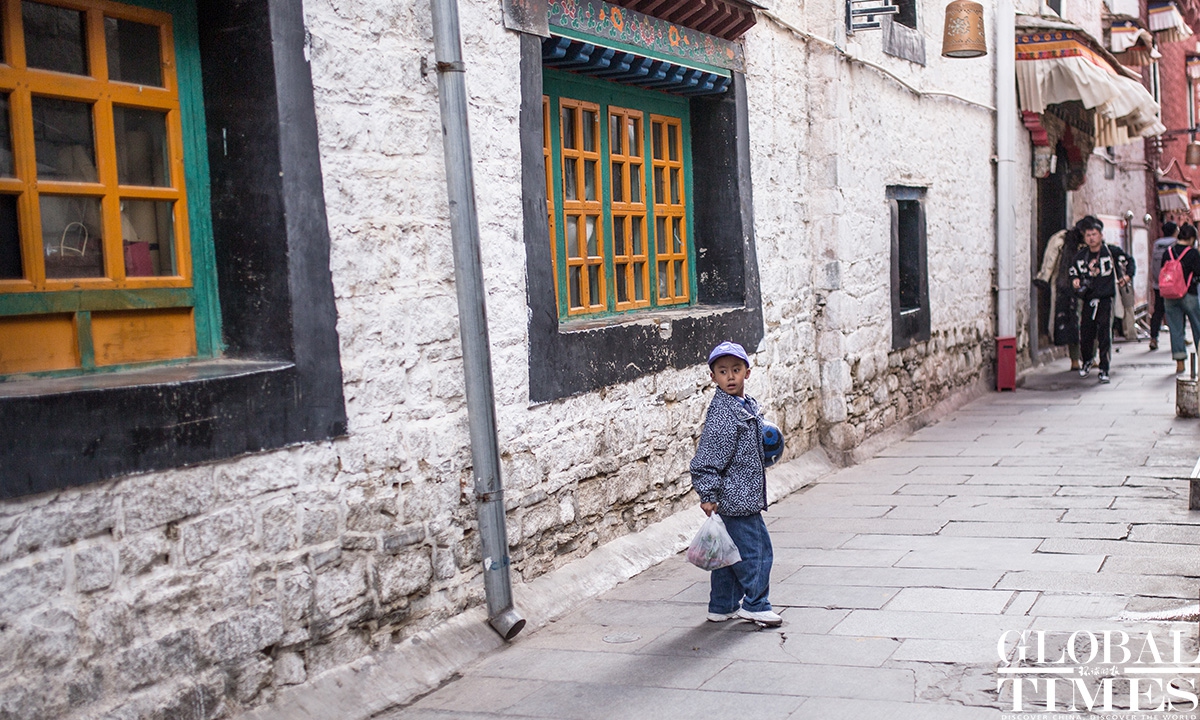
[1061, 507]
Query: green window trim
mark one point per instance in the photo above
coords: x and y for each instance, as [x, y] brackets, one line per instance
[558, 85]
[201, 295]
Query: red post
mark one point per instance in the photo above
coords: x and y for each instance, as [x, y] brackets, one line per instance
[1006, 363]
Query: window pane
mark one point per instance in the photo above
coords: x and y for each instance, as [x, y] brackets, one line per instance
[592, 240]
[639, 281]
[573, 286]
[637, 236]
[622, 290]
[660, 194]
[660, 235]
[10, 240]
[589, 179]
[672, 146]
[71, 236]
[6, 155]
[589, 131]
[674, 186]
[63, 140]
[663, 287]
[573, 236]
[568, 127]
[614, 135]
[141, 147]
[619, 235]
[678, 241]
[593, 284]
[134, 52]
[656, 140]
[569, 190]
[635, 184]
[148, 235]
[678, 278]
[54, 38]
[618, 187]
[635, 149]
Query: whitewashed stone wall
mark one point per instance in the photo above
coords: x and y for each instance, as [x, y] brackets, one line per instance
[202, 590]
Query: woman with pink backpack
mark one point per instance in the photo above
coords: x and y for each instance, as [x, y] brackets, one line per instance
[1177, 283]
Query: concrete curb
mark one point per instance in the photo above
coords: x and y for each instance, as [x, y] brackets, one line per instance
[423, 662]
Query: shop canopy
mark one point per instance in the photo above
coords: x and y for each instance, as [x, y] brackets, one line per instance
[1062, 63]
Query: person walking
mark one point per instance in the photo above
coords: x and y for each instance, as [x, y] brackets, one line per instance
[1189, 305]
[1170, 230]
[1095, 275]
[1054, 278]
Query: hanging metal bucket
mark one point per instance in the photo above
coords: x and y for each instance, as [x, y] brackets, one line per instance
[964, 36]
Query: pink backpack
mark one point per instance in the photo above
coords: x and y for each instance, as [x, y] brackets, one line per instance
[1171, 283]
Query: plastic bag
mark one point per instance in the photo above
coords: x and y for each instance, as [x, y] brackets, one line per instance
[712, 548]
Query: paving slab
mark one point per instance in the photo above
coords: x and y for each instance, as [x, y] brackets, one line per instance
[595, 701]
[987, 602]
[927, 624]
[807, 680]
[966, 528]
[806, 594]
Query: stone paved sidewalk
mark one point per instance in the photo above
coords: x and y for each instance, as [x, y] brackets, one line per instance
[1061, 507]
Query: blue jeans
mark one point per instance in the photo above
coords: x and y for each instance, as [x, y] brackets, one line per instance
[1176, 309]
[748, 582]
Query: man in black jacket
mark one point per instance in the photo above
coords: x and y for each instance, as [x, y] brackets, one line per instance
[1095, 275]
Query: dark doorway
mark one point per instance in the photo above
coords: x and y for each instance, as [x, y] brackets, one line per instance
[1051, 217]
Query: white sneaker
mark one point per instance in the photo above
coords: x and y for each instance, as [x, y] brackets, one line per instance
[762, 617]
[722, 617]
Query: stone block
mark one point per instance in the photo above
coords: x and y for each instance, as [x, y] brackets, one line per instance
[95, 568]
[244, 633]
[318, 526]
[401, 575]
[358, 541]
[74, 518]
[289, 669]
[49, 639]
[140, 553]
[406, 537]
[151, 501]
[25, 587]
[278, 527]
[113, 625]
[250, 678]
[372, 515]
[340, 586]
[222, 531]
[174, 654]
[337, 651]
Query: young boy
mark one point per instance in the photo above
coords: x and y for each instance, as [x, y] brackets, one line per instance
[728, 473]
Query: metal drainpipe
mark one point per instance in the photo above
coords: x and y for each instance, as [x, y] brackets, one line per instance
[472, 320]
[1006, 141]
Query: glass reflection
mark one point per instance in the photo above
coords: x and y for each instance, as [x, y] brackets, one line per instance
[134, 52]
[148, 236]
[72, 239]
[64, 144]
[55, 38]
[142, 155]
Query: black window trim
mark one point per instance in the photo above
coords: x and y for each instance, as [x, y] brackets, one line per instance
[912, 325]
[570, 359]
[280, 381]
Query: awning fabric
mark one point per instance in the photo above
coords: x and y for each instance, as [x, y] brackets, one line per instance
[1057, 66]
[1125, 35]
[1193, 67]
[1173, 198]
[1167, 22]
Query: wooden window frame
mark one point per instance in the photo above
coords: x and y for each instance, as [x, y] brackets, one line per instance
[911, 318]
[191, 288]
[659, 266]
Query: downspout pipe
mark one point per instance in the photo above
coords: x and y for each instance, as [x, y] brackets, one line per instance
[472, 320]
[1006, 141]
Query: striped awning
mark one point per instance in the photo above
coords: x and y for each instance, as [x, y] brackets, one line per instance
[1167, 22]
[1172, 197]
[1056, 66]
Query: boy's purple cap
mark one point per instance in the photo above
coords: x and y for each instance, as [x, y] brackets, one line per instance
[728, 348]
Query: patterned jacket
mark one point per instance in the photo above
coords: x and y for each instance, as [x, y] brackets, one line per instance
[728, 466]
